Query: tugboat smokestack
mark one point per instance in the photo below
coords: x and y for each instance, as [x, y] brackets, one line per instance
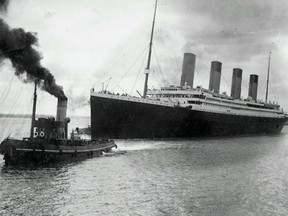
[61, 119]
[61, 109]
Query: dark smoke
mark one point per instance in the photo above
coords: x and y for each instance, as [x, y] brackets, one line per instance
[3, 5]
[19, 47]
[77, 101]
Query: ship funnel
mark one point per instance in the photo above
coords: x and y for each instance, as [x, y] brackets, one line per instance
[253, 85]
[61, 110]
[236, 83]
[61, 120]
[215, 75]
[188, 69]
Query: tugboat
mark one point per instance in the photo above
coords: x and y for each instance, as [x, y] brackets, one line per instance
[49, 143]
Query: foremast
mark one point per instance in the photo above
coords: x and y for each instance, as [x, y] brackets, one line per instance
[268, 74]
[33, 111]
[147, 69]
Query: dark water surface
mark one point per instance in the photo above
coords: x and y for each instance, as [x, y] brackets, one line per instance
[216, 176]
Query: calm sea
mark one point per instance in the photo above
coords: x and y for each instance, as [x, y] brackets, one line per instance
[215, 176]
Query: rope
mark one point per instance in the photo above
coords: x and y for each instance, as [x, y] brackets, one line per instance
[23, 129]
[158, 64]
[155, 78]
[116, 61]
[199, 80]
[130, 68]
[6, 91]
[224, 79]
[137, 76]
[8, 121]
[122, 89]
[177, 76]
[112, 66]
[274, 88]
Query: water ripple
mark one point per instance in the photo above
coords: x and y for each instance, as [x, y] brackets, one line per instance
[220, 176]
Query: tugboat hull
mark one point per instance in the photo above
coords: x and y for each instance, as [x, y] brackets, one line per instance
[39, 151]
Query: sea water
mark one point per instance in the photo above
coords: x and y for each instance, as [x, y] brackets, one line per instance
[245, 175]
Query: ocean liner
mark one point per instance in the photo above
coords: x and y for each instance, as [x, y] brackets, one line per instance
[184, 110]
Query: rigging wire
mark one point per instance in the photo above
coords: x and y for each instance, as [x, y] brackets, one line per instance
[108, 81]
[112, 66]
[261, 89]
[130, 67]
[140, 69]
[6, 91]
[9, 120]
[14, 100]
[155, 78]
[244, 84]
[274, 88]
[222, 76]
[24, 130]
[115, 62]
[196, 77]
[122, 89]
[177, 76]
[163, 80]
[21, 128]
[39, 99]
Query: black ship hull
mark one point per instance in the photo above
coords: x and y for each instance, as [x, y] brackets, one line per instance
[112, 118]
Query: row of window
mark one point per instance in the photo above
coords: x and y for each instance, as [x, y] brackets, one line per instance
[179, 96]
[228, 107]
[195, 102]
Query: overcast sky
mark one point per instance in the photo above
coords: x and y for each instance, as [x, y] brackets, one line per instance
[84, 43]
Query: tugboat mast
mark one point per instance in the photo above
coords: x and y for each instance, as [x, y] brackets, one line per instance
[268, 77]
[147, 69]
[34, 111]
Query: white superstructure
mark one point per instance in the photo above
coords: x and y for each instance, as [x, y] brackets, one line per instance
[201, 99]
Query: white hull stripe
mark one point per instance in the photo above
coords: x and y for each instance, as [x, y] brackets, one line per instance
[253, 112]
[64, 150]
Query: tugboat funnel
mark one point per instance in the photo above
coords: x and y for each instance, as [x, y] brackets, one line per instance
[61, 120]
[61, 110]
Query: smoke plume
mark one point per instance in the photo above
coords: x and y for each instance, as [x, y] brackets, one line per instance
[3, 5]
[19, 47]
[77, 101]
